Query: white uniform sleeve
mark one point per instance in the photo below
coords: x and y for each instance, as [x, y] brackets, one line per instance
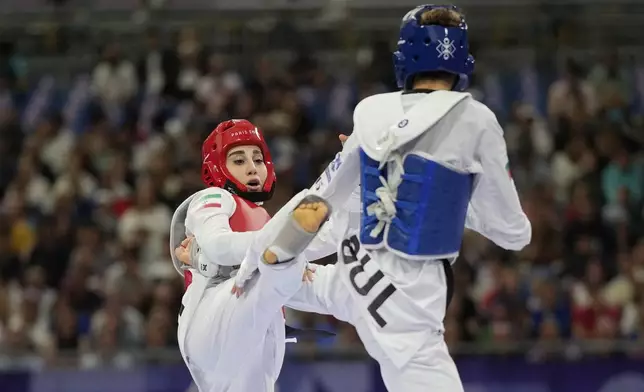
[263, 238]
[353, 206]
[325, 295]
[341, 178]
[208, 219]
[339, 185]
[495, 210]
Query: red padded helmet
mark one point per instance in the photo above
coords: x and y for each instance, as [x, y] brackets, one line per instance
[227, 135]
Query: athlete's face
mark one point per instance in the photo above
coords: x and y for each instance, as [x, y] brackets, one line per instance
[246, 164]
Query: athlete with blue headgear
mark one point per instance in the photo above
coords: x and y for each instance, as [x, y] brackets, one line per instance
[428, 161]
[424, 162]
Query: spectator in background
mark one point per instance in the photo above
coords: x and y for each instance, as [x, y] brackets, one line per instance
[624, 171]
[593, 317]
[159, 270]
[526, 131]
[571, 98]
[530, 146]
[549, 309]
[32, 309]
[125, 320]
[265, 74]
[146, 223]
[10, 264]
[51, 252]
[8, 73]
[97, 146]
[607, 142]
[158, 68]
[218, 81]
[124, 277]
[76, 180]
[31, 185]
[504, 306]
[632, 321]
[620, 290]
[462, 319]
[185, 183]
[570, 165]
[76, 291]
[12, 66]
[546, 245]
[68, 338]
[106, 350]
[23, 235]
[191, 67]
[159, 329]
[11, 143]
[586, 236]
[637, 256]
[114, 189]
[614, 87]
[57, 143]
[114, 81]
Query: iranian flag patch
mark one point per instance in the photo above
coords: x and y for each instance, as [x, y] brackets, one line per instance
[211, 201]
[507, 169]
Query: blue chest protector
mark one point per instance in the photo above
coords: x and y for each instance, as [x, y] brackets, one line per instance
[431, 206]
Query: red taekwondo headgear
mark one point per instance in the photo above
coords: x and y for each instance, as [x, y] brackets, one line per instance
[227, 135]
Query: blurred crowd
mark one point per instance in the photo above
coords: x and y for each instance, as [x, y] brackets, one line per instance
[85, 210]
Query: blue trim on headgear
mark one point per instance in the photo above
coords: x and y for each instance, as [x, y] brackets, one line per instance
[432, 48]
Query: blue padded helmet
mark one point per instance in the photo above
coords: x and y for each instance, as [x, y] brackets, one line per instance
[432, 48]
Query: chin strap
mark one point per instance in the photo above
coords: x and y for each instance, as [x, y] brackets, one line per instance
[254, 197]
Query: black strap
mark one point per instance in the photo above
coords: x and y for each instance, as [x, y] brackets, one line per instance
[307, 334]
[282, 262]
[418, 91]
[449, 278]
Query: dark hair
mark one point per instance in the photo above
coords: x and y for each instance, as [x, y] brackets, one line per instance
[574, 68]
[440, 17]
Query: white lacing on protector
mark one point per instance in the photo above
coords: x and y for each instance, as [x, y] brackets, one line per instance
[385, 208]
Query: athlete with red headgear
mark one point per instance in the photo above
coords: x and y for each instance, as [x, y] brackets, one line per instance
[236, 343]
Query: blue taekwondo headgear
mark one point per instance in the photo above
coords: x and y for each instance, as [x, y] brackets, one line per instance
[432, 48]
